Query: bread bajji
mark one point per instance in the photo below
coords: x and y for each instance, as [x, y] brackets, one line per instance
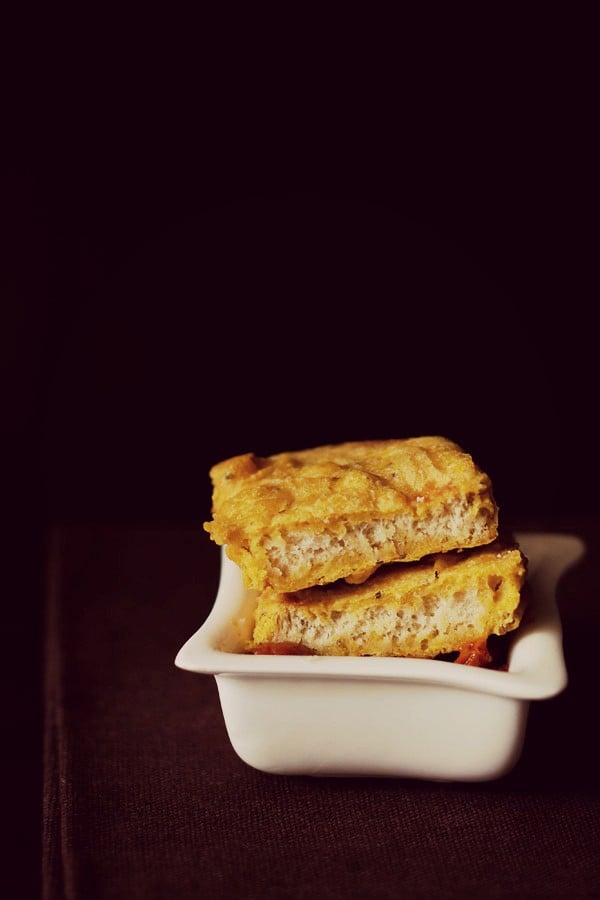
[294, 520]
[447, 603]
[380, 548]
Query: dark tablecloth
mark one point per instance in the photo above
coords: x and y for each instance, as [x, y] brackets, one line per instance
[144, 796]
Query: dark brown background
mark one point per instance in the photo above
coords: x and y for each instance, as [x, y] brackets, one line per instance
[189, 277]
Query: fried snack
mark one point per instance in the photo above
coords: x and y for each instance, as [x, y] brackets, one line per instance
[447, 603]
[295, 520]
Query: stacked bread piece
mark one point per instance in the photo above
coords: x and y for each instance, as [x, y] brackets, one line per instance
[370, 548]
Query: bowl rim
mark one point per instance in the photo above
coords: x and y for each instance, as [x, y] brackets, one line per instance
[536, 663]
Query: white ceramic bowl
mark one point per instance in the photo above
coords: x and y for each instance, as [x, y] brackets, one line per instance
[367, 716]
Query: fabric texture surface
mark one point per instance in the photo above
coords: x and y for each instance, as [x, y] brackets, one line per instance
[145, 798]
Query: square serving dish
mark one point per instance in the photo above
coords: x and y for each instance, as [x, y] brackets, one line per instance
[384, 717]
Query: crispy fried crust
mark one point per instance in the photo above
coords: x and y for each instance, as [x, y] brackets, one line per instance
[295, 520]
[443, 604]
